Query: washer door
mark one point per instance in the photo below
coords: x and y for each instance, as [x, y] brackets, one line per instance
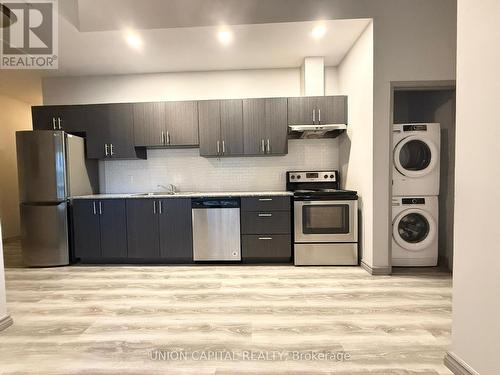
[415, 156]
[414, 229]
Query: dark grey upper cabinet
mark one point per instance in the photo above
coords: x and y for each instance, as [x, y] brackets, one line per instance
[181, 120]
[331, 109]
[231, 124]
[221, 127]
[98, 131]
[149, 124]
[176, 234]
[316, 110]
[301, 110]
[99, 229]
[70, 118]
[254, 126]
[163, 124]
[276, 142]
[142, 229]
[265, 126]
[209, 124]
[110, 132]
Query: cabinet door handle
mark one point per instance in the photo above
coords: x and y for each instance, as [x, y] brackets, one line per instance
[54, 123]
[265, 215]
[93, 205]
[168, 137]
[319, 115]
[159, 207]
[218, 147]
[314, 116]
[100, 208]
[262, 146]
[268, 146]
[223, 147]
[59, 123]
[111, 147]
[154, 207]
[265, 199]
[106, 153]
[162, 138]
[265, 238]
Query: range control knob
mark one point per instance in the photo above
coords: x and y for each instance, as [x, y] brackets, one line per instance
[326, 176]
[332, 176]
[292, 177]
[298, 177]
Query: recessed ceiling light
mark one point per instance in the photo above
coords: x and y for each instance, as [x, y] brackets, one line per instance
[318, 31]
[225, 37]
[133, 39]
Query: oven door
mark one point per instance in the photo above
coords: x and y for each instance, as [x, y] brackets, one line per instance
[326, 221]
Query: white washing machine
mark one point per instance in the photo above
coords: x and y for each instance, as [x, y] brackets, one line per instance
[416, 149]
[415, 231]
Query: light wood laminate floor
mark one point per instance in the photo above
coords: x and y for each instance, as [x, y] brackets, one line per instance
[109, 320]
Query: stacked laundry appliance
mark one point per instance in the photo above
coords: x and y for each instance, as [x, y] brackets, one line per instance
[415, 191]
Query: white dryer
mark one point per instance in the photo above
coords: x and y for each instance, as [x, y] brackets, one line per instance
[415, 231]
[416, 149]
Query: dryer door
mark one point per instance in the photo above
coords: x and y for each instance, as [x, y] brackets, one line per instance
[414, 229]
[415, 156]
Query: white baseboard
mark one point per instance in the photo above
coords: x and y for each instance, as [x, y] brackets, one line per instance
[5, 322]
[375, 271]
[458, 366]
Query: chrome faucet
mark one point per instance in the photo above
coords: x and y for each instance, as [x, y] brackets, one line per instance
[170, 188]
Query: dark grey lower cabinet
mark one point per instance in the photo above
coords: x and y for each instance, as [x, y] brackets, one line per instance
[160, 230]
[266, 247]
[113, 224]
[99, 229]
[143, 231]
[266, 234]
[176, 233]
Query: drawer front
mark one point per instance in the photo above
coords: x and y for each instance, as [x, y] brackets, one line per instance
[269, 222]
[263, 203]
[266, 246]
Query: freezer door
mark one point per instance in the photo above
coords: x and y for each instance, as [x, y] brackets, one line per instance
[44, 235]
[41, 166]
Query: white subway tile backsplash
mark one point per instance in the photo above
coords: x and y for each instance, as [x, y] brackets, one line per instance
[190, 172]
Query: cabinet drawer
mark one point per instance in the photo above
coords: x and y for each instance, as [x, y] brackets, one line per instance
[269, 222]
[265, 203]
[266, 247]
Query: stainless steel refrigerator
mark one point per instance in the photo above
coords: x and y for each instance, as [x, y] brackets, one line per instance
[51, 169]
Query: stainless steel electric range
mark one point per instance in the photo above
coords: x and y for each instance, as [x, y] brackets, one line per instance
[325, 219]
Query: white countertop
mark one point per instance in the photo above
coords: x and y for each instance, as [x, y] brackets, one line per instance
[197, 194]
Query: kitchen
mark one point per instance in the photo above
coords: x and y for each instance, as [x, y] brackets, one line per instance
[192, 186]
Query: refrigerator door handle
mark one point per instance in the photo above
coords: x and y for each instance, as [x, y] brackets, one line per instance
[100, 208]
[54, 123]
[95, 211]
[106, 149]
[59, 123]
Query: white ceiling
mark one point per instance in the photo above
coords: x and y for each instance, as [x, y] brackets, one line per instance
[276, 45]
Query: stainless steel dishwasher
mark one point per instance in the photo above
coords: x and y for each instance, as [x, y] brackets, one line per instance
[216, 229]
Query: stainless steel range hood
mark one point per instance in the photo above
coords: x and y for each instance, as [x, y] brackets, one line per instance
[316, 131]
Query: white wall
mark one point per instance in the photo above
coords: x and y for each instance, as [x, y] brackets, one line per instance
[355, 74]
[476, 277]
[186, 168]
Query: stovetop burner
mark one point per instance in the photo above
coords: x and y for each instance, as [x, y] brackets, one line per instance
[319, 185]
